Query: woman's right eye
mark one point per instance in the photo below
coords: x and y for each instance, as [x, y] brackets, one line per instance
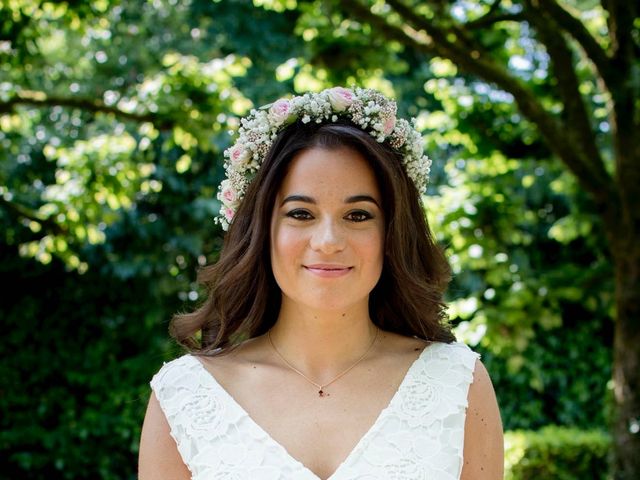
[299, 214]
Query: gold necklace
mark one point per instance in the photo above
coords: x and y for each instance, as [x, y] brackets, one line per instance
[321, 388]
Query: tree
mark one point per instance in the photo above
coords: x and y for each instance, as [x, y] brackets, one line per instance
[111, 130]
[576, 81]
[112, 123]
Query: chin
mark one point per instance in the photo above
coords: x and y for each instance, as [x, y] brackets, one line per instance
[331, 303]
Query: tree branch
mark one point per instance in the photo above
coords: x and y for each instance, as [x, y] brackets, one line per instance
[40, 99]
[493, 9]
[488, 20]
[422, 35]
[22, 211]
[491, 17]
[461, 41]
[581, 131]
[625, 98]
[622, 14]
[579, 32]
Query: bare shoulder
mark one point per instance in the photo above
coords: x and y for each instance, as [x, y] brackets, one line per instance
[394, 343]
[483, 438]
[246, 361]
[253, 350]
[159, 456]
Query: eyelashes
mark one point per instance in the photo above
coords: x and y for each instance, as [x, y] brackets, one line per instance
[356, 216]
[359, 216]
[299, 214]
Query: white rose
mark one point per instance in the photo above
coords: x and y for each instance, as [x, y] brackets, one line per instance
[238, 155]
[340, 98]
[228, 194]
[279, 112]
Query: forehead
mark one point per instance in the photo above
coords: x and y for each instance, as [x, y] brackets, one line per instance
[336, 171]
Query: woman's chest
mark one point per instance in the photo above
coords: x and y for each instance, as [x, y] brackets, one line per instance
[318, 431]
[277, 430]
[414, 437]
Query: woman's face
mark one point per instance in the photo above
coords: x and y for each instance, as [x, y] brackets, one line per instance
[327, 230]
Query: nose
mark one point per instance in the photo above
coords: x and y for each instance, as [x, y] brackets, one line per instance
[327, 237]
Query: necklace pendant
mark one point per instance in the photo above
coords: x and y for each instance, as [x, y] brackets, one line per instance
[320, 393]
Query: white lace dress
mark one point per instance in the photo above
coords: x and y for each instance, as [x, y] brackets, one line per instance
[419, 435]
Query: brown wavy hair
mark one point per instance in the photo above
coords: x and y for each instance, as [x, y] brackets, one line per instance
[243, 298]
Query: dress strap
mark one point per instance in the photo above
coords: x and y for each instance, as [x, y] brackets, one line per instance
[193, 410]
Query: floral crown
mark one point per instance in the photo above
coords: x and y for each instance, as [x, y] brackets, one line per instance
[368, 109]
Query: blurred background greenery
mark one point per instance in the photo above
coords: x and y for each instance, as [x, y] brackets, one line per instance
[113, 119]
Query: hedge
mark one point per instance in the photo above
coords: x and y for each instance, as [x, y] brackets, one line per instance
[558, 453]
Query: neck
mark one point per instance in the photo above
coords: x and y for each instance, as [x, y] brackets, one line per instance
[322, 343]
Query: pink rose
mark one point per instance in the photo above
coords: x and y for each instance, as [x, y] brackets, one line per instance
[340, 98]
[279, 112]
[238, 155]
[229, 195]
[228, 214]
[388, 125]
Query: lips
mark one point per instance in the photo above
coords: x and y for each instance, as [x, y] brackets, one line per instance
[328, 270]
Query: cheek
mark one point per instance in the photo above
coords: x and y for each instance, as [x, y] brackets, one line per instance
[378, 254]
[371, 248]
[376, 239]
[285, 247]
[378, 251]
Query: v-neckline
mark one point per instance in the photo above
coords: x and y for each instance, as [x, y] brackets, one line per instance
[349, 458]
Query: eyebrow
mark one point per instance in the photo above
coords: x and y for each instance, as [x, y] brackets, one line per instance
[352, 199]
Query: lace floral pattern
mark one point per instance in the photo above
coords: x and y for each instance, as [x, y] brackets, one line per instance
[419, 435]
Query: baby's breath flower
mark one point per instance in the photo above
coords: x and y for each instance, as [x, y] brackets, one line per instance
[368, 109]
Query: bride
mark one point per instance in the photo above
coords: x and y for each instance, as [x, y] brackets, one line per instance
[322, 349]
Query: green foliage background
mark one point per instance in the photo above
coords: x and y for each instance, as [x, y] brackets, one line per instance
[113, 118]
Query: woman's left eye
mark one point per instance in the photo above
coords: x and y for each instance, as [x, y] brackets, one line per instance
[359, 216]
